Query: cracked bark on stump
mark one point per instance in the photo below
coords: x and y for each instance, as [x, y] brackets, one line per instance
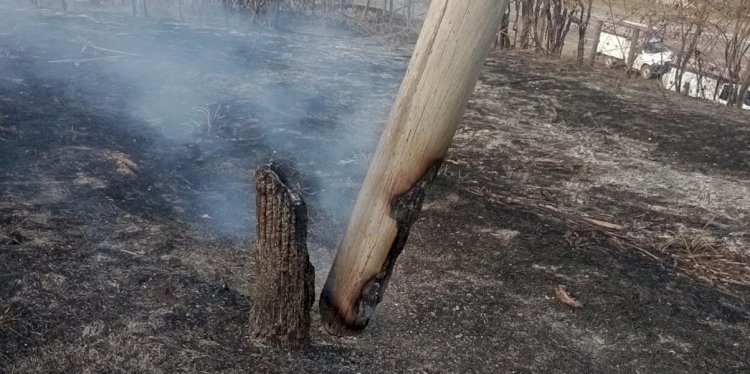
[284, 287]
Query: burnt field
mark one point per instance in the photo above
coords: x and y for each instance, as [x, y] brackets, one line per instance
[126, 231]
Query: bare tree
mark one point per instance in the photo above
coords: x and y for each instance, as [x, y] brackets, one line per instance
[526, 8]
[687, 23]
[734, 30]
[544, 24]
[583, 24]
[502, 41]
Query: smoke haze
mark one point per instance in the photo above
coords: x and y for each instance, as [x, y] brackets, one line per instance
[203, 101]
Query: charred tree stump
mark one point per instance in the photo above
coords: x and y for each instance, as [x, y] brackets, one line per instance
[284, 278]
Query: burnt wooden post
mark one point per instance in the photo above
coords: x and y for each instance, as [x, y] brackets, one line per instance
[595, 43]
[284, 287]
[449, 55]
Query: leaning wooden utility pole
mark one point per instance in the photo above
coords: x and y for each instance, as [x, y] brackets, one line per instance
[455, 40]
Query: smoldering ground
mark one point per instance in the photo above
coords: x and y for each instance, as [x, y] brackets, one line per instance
[127, 147]
[106, 264]
[206, 96]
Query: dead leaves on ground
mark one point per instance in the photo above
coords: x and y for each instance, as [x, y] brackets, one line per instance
[562, 295]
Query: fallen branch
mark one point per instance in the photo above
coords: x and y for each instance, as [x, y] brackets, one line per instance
[539, 205]
[129, 252]
[80, 60]
[603, 224]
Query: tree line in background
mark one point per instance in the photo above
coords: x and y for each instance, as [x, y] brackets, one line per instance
[386, 15]
[709, 37]
[543, 25]
[368, 16]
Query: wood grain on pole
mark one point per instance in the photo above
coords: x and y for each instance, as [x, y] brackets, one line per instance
[455, 40]
[595, 43]
[284, 287]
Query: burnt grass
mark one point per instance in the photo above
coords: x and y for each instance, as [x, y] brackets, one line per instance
[109, 264]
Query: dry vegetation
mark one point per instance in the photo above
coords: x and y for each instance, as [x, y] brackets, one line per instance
[583, 223]
[6, 318]
[698, 254]
[713, 247]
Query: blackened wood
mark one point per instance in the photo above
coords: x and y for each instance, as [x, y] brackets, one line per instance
[284, 288]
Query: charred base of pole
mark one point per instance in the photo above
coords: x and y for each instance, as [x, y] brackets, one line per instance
[405, 210]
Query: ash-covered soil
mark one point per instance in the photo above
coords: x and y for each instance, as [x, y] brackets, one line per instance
[126, 234]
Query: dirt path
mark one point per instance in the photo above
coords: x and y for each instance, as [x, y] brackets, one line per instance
[125, 223]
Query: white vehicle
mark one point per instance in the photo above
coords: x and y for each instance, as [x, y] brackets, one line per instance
[651, 60]
[724, 96]
[706, 83]
[694, 82]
